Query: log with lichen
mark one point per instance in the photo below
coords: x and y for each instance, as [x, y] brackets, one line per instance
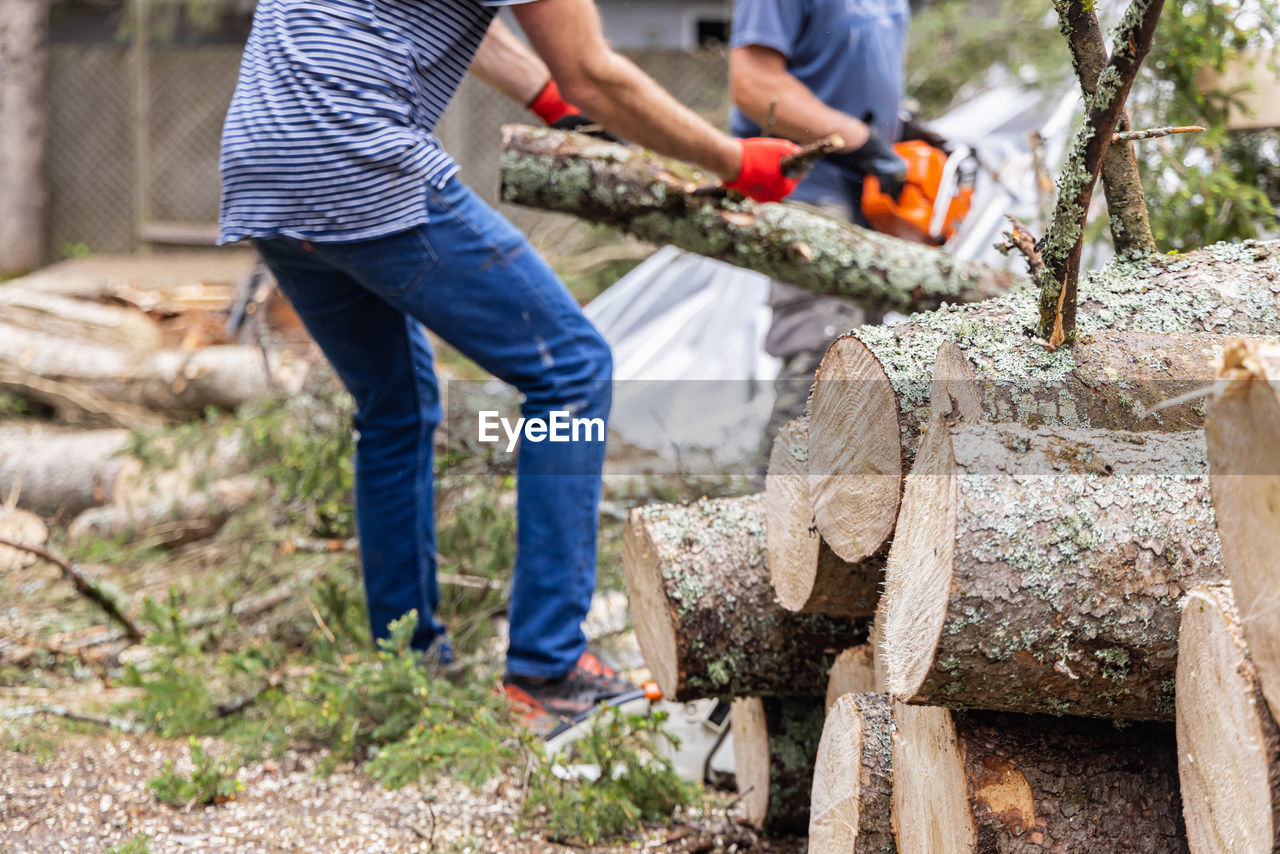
[705, 613]
[775, 745]
[1228, 741]
[1040, 569]
[872, 394]
[1242, 428]
[853, 779]
[807, 575]
[646, 195]
[976, 782]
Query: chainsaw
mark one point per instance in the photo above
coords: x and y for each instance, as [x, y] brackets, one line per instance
[700, 729]
[935, 199]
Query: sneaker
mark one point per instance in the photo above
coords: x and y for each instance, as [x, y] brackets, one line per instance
[548, 701]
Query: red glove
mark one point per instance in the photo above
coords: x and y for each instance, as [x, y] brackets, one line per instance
[550, 106]
[761, 175]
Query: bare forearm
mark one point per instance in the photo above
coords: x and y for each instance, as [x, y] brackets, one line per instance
[508, 65]
[775, 100]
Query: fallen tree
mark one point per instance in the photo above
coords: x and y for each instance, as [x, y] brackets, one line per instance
[976, 782]
[1039, 570]
[873, 391]
[1228, 741]
[1242, 429]
[807, 575]
[55, 473]
[853, 779]
[649, 196]
[704, 610]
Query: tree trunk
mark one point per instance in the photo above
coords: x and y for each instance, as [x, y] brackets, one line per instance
[980, 782]
[81, 321]
[872, 393]
[97, 382]
[62, 474]
[775, 744]
[1243, 433]
[704, 610]
[1039, 570]
[646, 195]
[853, 779]
[1228, 742]
[1107, 381]
[170, 508]
[24, 56]
[853, 672]
[807, 575]
[19, 526]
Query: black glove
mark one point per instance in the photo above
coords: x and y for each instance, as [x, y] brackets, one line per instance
[577, 121]
[878, 159]
[913, 128]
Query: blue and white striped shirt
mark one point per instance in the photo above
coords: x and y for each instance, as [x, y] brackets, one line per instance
[329, 134]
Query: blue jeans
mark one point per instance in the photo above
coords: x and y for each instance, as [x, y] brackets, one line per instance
[473, 279]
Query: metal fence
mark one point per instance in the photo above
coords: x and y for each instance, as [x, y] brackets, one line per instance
[133, 139]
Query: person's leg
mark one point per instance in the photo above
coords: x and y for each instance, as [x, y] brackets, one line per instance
[385, 361]
[491, 296]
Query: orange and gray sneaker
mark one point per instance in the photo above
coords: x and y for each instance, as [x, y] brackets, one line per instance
[544, 703]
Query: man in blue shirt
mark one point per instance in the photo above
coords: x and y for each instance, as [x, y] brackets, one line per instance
[330, 166]
[802, 70]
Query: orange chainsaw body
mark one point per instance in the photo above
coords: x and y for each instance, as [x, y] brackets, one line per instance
[912, 216]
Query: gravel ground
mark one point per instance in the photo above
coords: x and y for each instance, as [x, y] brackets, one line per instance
[88, 793]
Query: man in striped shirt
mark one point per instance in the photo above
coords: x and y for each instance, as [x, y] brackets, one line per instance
[330, 166]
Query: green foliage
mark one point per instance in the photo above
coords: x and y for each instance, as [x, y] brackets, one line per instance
[176, 698]
[140, 844]
[212, 780]
[635, 784]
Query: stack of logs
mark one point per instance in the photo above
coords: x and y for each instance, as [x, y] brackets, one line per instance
[1010, 570]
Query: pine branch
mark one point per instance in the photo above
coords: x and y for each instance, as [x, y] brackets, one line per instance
[83, 585]
[1130, 229]
[1075, 189]
[1152, 133]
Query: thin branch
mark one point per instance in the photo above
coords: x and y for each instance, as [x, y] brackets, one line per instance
[1130, 229]
[1065, 238]
[1153, 133]
[83, 585]
[1019, 238]
[63, 712]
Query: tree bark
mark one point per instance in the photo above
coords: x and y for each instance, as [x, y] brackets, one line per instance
[1040, 570]
[1242, 428]
[646, 195]
[853, 672]
[1101, 381]
[704, 610]
[807, 575]
[1228, 742]
[1130, 229]
[96, 382]
[872, 393]
[24, 56]
[775, 744]
[81, 321]
[976, 782]
[853, 779]
[62, 474]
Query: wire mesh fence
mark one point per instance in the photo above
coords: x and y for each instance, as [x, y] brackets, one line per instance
[133, 146]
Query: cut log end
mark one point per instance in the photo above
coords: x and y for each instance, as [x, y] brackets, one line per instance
[930, 799]
[1228, 743]
[775, 745]
[955, 390]
[650, 611]
[918, 581]
[852, 779]
[751, 757]
[853, 672]
[792, 540]
[855, 458]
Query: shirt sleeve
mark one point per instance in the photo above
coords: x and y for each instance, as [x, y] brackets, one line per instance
[773, 24]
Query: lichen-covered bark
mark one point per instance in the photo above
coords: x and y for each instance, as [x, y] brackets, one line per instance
[807, 575]
[1130, 229]
[839, 823]
[795, 728]
[1058, 278]
[1228, 742]
[645, 195]
[1242, 429]
[1103, 380]
[732, 638]
[1040, 785]
[1228, 288]
[1070, 552]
